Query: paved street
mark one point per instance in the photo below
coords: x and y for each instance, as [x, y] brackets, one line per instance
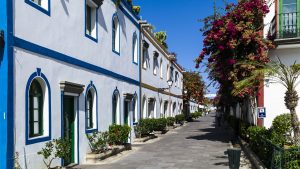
[198, 145]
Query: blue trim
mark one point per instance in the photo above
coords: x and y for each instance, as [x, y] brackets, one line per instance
[70, 60]
[134, 41]
[33, 76]
[87, 35]
[133, 20]
[38, 7]
[113, 36]
[133, 17]
[91, 85]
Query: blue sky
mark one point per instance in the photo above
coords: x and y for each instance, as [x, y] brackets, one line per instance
[180, 19]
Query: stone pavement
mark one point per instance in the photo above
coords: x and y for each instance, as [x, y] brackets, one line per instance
[198, 145]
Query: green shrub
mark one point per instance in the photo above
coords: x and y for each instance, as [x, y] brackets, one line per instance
[159, 124]
[57, 148]
[118, 134]
[170, 121]
[179, 118]
[293, 165]
[98, 141]
[146, 126]
[281, 130]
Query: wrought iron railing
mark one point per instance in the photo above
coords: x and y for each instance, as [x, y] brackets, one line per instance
[274, 156]
[285, 25]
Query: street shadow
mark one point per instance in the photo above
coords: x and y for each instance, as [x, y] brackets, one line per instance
[220, 134]
[222, 163]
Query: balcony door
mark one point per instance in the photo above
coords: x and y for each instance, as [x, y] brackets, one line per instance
[289, 18]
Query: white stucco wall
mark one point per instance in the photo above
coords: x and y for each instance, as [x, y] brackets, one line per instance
[148, 76]
[268, 18]
[64, 31]
[55, 71]
[274, 92]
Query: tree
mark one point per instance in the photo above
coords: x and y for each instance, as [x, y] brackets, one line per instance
[194, 85]
[277, 72]
[161, 36]
[230, 38]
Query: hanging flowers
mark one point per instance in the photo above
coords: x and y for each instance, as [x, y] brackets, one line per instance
[232, 38]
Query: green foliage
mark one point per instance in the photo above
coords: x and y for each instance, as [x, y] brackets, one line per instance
[293, 164]
[136, 9]
[170, 121]
[161, 36]
[194, 85]
[16, 161]
[98, 141]
[160, 124]
[196, 115]
[281, 130]
[180, 118]
[57, 148]
[118, 134]
[147, 126]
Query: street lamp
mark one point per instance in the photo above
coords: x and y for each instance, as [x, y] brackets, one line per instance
[170, 83]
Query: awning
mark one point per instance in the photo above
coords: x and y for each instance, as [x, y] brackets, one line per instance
[70, 87]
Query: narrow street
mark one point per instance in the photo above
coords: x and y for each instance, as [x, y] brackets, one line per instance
[198, 145]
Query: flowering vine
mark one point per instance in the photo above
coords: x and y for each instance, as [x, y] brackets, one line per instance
[232, 40]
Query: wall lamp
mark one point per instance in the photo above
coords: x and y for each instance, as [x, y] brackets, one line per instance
[170, 83]
[2, 39]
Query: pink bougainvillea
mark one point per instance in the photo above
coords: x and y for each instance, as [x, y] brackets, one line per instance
[235, 37]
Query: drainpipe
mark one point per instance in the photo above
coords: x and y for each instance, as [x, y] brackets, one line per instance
[142, 25]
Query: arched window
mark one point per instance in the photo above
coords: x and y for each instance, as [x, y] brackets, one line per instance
[38, 108]
[36, 101]
[91, 108]
[116, 34]
[135, 109]
[161, 68]
[174, 110]
[144, 107]
[116, 108]
[135, 48]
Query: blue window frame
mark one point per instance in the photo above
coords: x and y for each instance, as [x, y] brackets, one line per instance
[91, 20]
[116, 34]
[91, 108]
[37, 109]
[41, 5]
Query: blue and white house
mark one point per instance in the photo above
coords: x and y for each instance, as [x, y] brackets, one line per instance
[161, 78]
[67, 68]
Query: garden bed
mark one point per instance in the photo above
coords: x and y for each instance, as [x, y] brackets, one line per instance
[145, 139]
[94, 158]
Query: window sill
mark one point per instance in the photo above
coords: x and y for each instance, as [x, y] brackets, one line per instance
[38, 139]
[118, 53]
[91, 37]
[135, 63]
[38, 7]
[88, 131]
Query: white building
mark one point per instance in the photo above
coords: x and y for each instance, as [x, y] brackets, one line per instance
[67, 68]
[158, 99]
[283, 24]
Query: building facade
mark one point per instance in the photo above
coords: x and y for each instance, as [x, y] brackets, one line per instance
[282, 25]
[69, 68]
[161, 79]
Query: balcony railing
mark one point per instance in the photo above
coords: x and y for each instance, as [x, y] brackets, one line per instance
[285, 25]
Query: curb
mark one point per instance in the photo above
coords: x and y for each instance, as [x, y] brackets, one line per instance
[255, 161]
